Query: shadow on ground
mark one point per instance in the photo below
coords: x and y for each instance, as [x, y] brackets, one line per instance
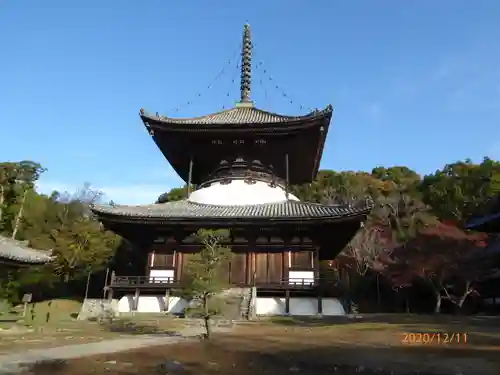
[214, 357]
[396, 319]
[135, 328]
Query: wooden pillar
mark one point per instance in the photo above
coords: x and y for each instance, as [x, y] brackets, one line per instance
[317, 273]
[318, 280]
[110, 293]
[136, 299]
[167, 300]
[287, 302]
[190, 176]
[287, 176]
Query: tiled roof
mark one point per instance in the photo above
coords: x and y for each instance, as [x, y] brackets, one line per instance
[17, 251]
[481, 223]
[188, 210]
[237, 115]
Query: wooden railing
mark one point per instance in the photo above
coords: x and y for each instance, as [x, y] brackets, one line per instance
[164, 281]
[142, 280]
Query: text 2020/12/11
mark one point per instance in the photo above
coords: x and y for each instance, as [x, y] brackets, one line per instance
[434, 338]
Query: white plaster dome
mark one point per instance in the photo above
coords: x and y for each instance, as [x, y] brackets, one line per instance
[240, 193]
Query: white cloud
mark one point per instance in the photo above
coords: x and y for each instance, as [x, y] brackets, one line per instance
[128, 194]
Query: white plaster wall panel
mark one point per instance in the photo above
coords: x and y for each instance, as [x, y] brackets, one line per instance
[161, 276]
[299, 277]
[152, 304]
[303, 306]
[270, 306]
[333, 307]
[298, 306]
[239, 193]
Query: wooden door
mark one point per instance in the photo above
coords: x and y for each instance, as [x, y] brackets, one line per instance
[269, 268]
[260, 268]
[238, 269]
[275, 268]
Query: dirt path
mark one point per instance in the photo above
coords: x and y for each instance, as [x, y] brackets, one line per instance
[12, 363]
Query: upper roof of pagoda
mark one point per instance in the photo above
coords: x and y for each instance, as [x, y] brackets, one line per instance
[244, 112]
[243, 131]
[237, 116]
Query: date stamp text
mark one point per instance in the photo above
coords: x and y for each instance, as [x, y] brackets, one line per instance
[419, 338]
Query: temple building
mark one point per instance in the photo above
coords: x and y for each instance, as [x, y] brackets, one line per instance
[242, 161]
[489, 222]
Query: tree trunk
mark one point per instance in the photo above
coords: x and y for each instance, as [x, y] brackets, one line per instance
[379, 302]
[462, 299]
[2, 200]
[407, 302]
[19, 216]
[206, 317]
[437, 306]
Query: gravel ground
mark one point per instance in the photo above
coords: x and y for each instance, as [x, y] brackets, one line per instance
[12, 363]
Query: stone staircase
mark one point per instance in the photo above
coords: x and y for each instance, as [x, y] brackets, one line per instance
[98, 309]
[247, 304]
[243, 299]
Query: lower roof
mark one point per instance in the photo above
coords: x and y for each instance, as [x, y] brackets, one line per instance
[186, 210]
[16, 251]
[487, 224]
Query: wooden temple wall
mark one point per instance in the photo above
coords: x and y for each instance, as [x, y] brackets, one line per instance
[245, 268]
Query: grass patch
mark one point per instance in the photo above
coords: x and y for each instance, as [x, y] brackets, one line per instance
[53, 323]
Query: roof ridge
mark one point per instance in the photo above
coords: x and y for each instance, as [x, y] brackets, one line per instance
[224, 116]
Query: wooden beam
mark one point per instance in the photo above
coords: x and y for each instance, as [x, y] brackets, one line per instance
[190, 176]
[136, 299]
[287, 301]
[167, 300]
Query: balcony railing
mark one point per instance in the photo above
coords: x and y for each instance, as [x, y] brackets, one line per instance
[142, 280]
[165, 281]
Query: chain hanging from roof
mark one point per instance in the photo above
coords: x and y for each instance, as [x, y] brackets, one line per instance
[232, 85]
[268, 78]
[217, 78]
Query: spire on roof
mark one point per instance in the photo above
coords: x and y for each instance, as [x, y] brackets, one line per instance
[246, 67]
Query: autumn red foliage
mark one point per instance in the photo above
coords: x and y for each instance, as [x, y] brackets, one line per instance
[447, 258]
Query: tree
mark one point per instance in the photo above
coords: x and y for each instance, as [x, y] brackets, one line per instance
[445, 258]
[79, 242]
[206, 274]
[456, 191]
[400, 176]
[17, 179]
[175, 194]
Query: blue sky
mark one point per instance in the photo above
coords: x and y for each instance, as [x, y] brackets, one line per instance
[413, 83]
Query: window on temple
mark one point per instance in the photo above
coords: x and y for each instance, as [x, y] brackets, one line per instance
[301, 259]
[161, 259]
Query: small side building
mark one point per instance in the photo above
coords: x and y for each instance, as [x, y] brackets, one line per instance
[490, 223]
[17, 254]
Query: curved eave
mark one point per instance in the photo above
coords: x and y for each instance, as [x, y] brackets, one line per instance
[203, 123]
[123, 214]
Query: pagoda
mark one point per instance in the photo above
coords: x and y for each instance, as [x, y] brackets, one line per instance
[242, 161]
